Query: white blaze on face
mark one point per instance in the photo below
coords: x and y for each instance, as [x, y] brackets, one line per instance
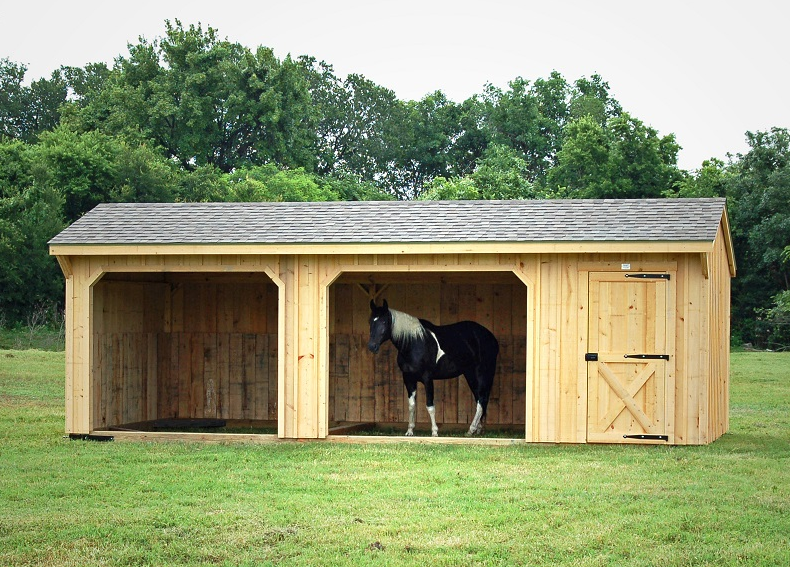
[439, 352]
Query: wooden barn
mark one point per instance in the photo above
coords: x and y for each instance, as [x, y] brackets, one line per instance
[612, 316]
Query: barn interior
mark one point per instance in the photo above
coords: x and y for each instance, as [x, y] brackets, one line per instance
[185, 352]
[366, 391]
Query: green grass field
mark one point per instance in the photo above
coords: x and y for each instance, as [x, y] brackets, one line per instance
[80, 503]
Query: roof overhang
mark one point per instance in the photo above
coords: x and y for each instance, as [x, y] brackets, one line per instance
[553, 247]
[725, 228]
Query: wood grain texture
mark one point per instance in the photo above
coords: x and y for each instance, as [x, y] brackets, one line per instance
[248, 332]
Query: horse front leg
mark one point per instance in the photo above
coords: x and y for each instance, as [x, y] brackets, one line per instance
[411, 389]
[430, 407]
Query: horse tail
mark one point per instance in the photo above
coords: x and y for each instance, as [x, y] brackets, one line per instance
[487, 364]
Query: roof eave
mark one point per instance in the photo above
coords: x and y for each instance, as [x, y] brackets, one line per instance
[334, 248]
[725, 226]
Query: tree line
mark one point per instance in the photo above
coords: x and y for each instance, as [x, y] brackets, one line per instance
[192, 116]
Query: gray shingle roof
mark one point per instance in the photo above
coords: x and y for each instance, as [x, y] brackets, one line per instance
[396, 221]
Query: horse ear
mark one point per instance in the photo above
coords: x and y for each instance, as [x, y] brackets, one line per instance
[372, 305]
[386, 307]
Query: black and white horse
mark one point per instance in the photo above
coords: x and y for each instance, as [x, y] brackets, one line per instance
[428, 352]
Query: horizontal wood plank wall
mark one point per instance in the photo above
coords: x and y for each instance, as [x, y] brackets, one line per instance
[185, 347]
[369, 388]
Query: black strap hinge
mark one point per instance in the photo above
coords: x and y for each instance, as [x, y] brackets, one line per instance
[648, 437]
[648, 356]
[649, 276]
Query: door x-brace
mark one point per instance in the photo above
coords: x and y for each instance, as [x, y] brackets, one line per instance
[626, 396]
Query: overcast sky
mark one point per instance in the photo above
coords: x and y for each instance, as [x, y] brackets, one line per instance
[706, 71]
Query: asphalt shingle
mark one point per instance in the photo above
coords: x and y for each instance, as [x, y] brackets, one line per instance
[397, 221]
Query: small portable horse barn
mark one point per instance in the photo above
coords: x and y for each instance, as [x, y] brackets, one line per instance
[612, 315]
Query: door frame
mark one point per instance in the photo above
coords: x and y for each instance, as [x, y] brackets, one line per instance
[671, 325]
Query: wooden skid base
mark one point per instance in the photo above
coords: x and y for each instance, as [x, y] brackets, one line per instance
[208, 426]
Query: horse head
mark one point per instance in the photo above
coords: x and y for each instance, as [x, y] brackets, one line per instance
[380, 325]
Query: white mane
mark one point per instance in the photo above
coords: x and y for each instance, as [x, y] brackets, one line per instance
[405, 327]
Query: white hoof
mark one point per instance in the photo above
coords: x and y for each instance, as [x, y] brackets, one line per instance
[434, 434]
[410, 433]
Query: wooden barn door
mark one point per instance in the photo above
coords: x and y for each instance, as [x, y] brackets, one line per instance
[629, 351]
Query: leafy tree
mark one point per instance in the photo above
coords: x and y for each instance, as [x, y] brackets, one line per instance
[43, 106]
[204, 183]
[759, 206]
[501, 174]
[623, 159]
[332, 102]
[17, 162]
[552, 96]
[90, 168]
[583, 167]
[86, 83]
[205, 101]
[432, 125]
[590, 97]
[515, 119]
[453, 189]
[643, 164]
[141, 175]
[11, 98]
[30, 214]
[359, 127]
[28, 276]
[270, 183]
[710, 180]
[373, 124]
[27, 111]
[772, 325]
[532, 118]
[80, 166]
[473, 137]
[349, 188]
[88, 105]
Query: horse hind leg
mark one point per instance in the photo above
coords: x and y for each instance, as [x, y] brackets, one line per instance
[481, 388]
[477, 427]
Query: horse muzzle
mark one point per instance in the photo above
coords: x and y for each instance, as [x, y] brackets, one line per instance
[374, 348]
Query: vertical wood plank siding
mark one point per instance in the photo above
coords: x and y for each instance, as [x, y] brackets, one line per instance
[266, 337]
